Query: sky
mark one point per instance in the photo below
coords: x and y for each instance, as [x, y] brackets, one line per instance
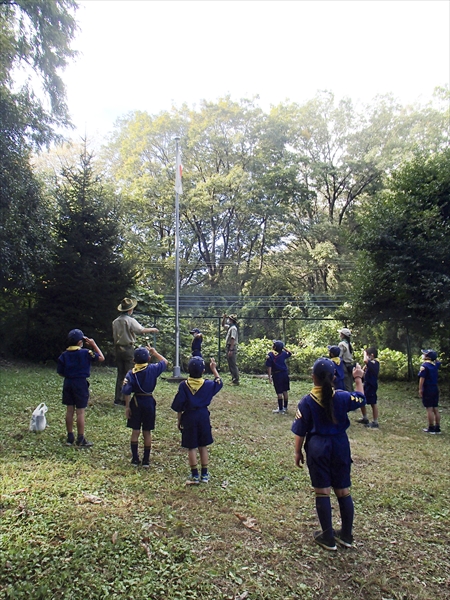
[151, 55]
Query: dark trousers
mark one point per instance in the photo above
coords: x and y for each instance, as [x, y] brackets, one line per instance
[124, 362]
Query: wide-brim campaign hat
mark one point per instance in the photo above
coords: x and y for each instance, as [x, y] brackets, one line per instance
[233, 318]
[127, 304]
[345, 332]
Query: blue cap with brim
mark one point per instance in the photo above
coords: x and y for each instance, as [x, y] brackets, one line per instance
[196, 366]
[75, 335]
[141, 356]
[323, 366]
[431, 354]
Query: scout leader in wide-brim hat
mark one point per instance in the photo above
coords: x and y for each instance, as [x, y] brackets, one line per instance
[233, 318]
[345, 332]
[127, 304]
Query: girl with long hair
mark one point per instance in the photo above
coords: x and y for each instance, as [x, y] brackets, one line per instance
[320, 427]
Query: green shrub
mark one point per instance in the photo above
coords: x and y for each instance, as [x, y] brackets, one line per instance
[252, 358]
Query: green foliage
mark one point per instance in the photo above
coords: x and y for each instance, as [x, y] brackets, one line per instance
[404, 265]
[88, 276]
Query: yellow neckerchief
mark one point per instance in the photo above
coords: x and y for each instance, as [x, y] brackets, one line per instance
[195, 383]
[316, 394]
[70, 348]
[336, 360]
[139, 367]
[426, 360]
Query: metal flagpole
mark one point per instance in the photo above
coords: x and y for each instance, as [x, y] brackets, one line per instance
[176, 368]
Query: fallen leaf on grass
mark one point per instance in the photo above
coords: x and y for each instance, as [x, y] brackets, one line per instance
[248, 522]
[147, 550]
[92, 499]
[242, 596]
[114, 537]
[20, 491]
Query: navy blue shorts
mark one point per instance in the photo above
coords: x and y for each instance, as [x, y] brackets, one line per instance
[370, 392]
[430, 399]
[281, 382]
[143, 413]
[196, 430]
[76, 392]
[371, 397]
[329, 461]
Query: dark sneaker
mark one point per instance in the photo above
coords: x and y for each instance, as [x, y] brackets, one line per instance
[146, 464]
[363, 420]
[327, 543]
[204, 478]
[135, 462]
[277, 411]
[83, 443]
[119, 402]
[343, 541]
[70, 441]
[429, 429]
[372, 425]
[437, 429]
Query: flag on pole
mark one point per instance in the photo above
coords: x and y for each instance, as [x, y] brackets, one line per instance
[178, 175]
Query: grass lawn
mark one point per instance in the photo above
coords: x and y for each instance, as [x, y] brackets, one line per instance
[83, 523]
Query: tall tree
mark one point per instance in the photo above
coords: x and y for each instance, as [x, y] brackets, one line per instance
[89, 275]
[404, 242]
[34, 41]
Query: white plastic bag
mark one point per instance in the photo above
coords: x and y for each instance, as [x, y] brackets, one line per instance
[38, 419]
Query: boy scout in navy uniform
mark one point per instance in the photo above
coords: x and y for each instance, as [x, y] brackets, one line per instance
[429, 390]
[141, 409]
[191, 403]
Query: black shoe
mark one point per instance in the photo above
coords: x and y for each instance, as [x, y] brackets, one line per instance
[119, 402]
[430, 429]
[135, 462]
[437, 429]
[327, 543]
[83, 443]
[363, 420]
[372, 425]
[343, 541]
[146, 464]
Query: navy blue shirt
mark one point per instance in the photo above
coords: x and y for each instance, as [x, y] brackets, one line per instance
[311, 417]
[76, 363]
[144, 381]
[186, 400]
[278, 361]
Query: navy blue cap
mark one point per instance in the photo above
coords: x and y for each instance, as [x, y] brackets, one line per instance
[141, 355]
[196, 366]
[431, 354]
[323, 366]
[334, 350]
[75, 335]
[278, 345]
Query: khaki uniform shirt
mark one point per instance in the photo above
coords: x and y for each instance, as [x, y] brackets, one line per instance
[125, 329]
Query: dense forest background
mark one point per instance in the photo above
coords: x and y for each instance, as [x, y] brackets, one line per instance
[293, 217]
